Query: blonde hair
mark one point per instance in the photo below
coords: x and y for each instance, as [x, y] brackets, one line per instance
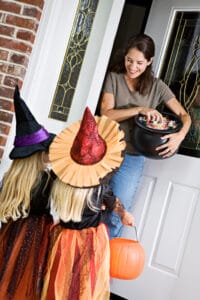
[69, 202]
[18, 184]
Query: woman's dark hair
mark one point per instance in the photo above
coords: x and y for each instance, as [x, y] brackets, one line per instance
[145, 44]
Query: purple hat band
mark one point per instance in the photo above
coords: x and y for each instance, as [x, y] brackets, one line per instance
[32, 139]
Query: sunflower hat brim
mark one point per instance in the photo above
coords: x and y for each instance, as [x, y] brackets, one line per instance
[81, 175]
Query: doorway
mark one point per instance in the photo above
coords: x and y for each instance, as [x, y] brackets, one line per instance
[133, 21]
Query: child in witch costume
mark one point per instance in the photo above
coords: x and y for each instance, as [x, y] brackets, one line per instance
[83, 156]
[24, 210]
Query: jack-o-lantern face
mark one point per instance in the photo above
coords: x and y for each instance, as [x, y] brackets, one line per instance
[127, 258]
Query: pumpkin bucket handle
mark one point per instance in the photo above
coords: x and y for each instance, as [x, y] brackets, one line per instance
[136, 234]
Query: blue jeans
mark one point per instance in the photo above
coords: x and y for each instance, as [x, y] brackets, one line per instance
[124, 184]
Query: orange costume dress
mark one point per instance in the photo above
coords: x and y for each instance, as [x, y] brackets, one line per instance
[23, 249]
[79, 256]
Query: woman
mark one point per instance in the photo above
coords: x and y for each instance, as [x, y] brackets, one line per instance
[24, 211]
[83, 156]
[131, 89]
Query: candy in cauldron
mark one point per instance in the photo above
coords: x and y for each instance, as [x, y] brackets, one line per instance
[146, 138]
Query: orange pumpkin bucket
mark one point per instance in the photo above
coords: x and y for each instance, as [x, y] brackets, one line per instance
[127, 258]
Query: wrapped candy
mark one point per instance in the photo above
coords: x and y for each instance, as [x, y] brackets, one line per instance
[154, 124]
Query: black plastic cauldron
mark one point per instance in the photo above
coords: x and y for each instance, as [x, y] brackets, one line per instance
[145, 140]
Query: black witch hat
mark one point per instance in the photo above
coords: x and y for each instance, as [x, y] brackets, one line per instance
[30, 136]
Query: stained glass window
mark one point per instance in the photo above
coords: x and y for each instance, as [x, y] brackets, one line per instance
[73, 59]
[181, 71]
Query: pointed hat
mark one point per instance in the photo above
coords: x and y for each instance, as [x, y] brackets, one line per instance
[85, 152]
[88, 147]
[30, 136]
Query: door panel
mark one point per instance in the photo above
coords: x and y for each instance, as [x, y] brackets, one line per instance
[166, 210]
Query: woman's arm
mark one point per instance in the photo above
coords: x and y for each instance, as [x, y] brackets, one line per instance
[107, 108]
[175, 139]
[175, 106]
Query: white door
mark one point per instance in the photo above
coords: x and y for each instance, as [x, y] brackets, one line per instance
[167, 206]
[167, 213]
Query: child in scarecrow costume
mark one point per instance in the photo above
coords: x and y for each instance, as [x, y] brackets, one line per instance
[24, 209]
[83, 156]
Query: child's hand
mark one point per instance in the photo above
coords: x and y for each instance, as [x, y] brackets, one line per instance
[128, 219]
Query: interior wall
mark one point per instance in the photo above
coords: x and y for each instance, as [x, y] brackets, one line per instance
[130, 24]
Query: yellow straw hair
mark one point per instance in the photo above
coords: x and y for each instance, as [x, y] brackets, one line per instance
[18, 183]
[69, 201]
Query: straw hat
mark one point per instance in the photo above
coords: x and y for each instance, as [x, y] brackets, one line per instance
[30, 136]
[85, 152]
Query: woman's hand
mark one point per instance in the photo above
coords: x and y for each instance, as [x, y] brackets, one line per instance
[151, 114]
[169, 148]
[128, 219]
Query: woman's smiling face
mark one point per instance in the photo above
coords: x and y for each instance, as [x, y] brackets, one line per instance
[135, 63]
